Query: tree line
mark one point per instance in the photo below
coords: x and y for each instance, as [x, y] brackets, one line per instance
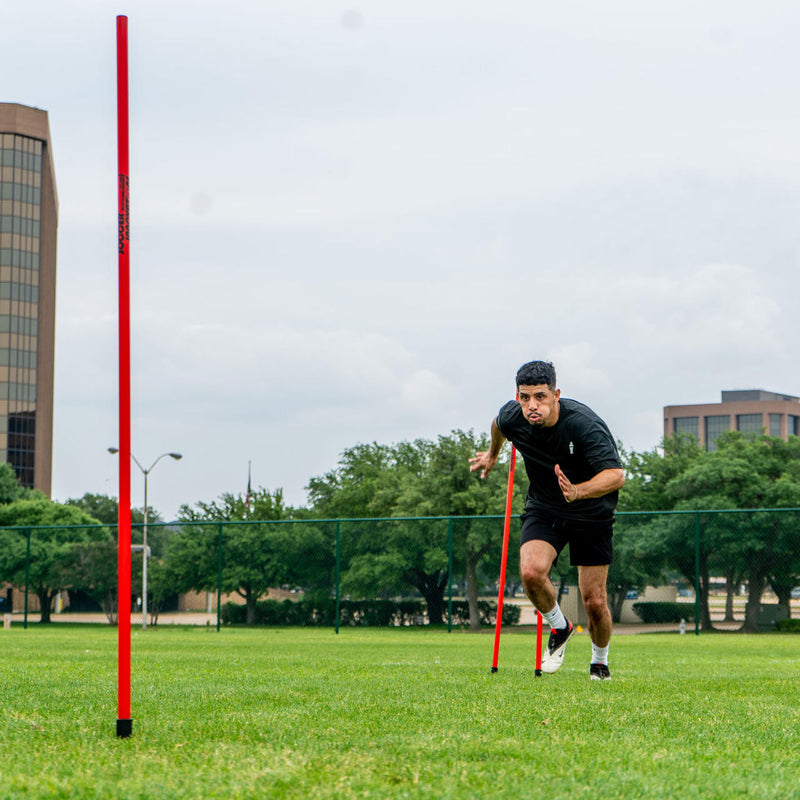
[386, 554]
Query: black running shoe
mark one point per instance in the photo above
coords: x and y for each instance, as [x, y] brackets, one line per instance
[556, 646]
[599, 672]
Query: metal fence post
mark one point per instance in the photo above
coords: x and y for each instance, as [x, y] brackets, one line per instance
[697, 573]
[338, 572]
[450, 575]
[219, 573]
[27, 578]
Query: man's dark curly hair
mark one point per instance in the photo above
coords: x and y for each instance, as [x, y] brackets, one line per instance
[535, 373]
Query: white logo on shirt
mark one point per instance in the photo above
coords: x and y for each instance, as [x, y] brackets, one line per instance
[571, 449]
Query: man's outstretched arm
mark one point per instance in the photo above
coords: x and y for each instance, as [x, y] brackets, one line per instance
[606, 481]
[486, 459]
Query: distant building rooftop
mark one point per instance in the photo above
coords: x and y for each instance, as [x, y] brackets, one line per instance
[755, 395]
[746, 410]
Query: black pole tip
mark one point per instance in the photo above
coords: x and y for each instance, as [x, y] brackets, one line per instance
[538, 673]
[124, 728]
[494, 669]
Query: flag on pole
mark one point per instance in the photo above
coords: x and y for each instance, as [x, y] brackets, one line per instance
[249, 495]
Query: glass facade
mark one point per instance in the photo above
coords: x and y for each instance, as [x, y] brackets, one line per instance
[690, 425]
[775, 424]
[793, 425]
[714, 427]
[749, 423]
[20, 233]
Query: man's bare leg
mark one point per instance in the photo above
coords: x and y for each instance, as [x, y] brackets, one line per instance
[535, 560]
[592, 583]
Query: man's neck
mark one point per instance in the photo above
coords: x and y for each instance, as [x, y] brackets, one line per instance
[557, 415]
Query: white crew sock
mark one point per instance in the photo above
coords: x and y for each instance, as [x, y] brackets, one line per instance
[599, 654]
[555, 618]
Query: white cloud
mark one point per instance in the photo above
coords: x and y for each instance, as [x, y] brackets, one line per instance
[422, 391]
[578, 361]
[697, 313]
[347, 234]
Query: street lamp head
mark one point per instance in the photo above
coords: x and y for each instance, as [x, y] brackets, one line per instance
[113, 450]
[176, 456]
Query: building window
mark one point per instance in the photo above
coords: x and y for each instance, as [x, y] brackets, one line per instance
[714, 427]
[749, 423]
[690, 425]
[20, 218]
[775, 424]
[22, 446]
[793, 425]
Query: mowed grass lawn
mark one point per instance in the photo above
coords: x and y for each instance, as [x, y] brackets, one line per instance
[298, 713]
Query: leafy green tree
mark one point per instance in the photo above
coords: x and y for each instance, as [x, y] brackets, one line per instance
[106, 510]
[669, 540]
[50, 545]
[634, 566]
[161, 583]
[752, 472]
[745, 472]
[10, 490]
[366, 482]
[383, 556]
[415, 479]
[378, 558]
[228, 507]
[91, 566]
[446, 487]
[257, 554]
[639, 556]
[648, 474]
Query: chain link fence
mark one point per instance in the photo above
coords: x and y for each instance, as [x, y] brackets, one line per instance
[722, 569]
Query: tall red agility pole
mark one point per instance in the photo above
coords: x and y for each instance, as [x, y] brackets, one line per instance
[501, 592]
[504, 558]
[124, 721]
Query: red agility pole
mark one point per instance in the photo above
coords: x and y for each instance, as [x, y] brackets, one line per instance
[500, 595]
[124, 721]
[538, 643]
[504, 558]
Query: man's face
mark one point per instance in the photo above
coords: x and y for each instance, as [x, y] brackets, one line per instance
[539, 404]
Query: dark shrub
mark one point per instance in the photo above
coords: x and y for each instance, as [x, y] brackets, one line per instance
[321, 612]
[661, 612]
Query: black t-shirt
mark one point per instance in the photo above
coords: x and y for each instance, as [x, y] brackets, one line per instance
[580, 442]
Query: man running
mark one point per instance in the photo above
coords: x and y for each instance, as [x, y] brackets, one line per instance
[575, 475]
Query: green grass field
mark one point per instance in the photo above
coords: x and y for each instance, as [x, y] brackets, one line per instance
[396, 714]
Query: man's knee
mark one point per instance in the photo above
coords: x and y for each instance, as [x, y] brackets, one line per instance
[596, 604]
[535, 559]
[534, 573]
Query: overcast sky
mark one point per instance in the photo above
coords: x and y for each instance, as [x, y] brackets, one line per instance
[352, 223]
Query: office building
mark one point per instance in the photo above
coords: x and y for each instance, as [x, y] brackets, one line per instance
[749, 411]
[28, 223]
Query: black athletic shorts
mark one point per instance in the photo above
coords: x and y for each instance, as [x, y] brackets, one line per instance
[589, 541]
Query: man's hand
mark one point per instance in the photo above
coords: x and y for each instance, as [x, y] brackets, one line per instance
[607, 480]
[568, 489]
[484, 461]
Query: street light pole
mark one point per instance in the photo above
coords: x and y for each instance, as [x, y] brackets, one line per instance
[145, 554]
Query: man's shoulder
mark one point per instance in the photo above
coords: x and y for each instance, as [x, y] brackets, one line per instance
[509, 412]
[584, 423]
[578, 413]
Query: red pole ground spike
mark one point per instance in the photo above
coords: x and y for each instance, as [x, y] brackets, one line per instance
[124, 720]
